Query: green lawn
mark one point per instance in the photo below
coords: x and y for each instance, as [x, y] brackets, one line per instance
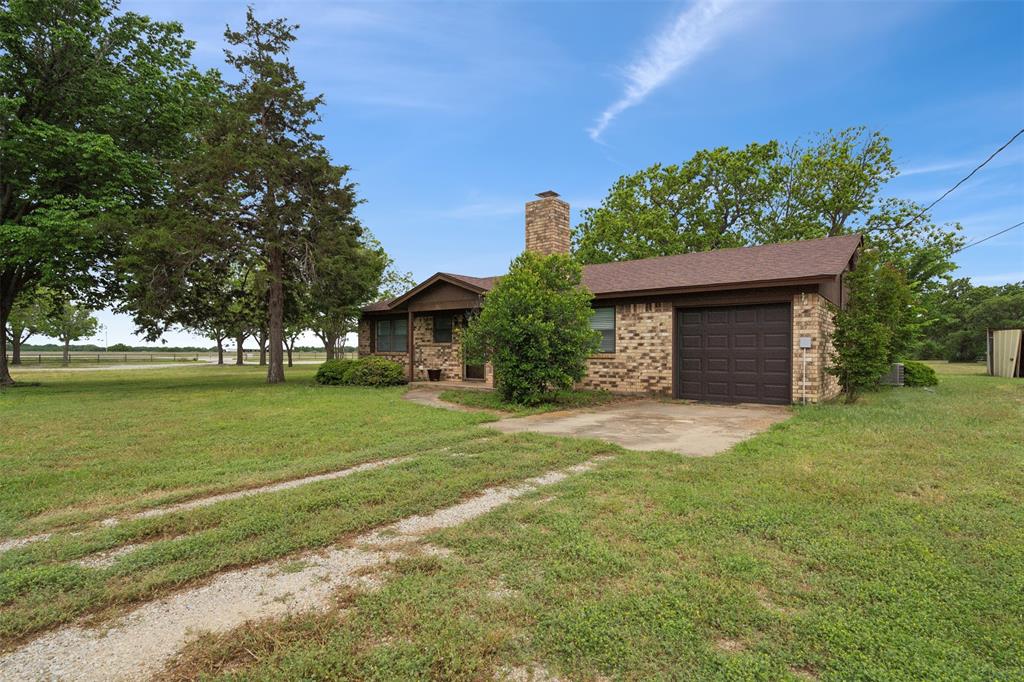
[883, 540]
[879, 541]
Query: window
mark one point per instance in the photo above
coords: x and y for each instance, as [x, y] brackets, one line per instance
[442, 328]
[604, 322]
[391, 336]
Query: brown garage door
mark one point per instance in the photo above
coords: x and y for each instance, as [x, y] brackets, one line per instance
[734, 354]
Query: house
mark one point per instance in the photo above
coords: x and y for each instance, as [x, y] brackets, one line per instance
[748, 324]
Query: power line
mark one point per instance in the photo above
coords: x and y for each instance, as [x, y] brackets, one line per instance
[962, 181]
[985, 239]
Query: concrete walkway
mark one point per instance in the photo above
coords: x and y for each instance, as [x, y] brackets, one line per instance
[687, 428]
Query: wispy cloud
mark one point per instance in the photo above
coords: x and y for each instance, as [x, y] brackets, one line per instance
[690, 34]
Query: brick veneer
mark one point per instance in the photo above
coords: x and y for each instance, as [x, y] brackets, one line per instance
[547, 225]
[813, 317]
[642, 361]
[426, 354]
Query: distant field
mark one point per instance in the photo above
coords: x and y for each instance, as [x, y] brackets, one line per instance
[30, 359]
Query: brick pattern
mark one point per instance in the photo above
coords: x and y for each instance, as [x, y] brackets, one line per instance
[642, 361]
[813, 317]
[426, 354]
[547, 226]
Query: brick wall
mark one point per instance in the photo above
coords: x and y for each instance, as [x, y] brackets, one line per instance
[547, 225]
[812, 316]
[642, 361]
[426, 354]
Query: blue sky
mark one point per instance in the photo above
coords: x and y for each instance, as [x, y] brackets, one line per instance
[453, 115]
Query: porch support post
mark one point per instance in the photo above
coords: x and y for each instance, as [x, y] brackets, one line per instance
[409, 342]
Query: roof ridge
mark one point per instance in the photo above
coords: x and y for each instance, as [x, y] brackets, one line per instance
[729, 248]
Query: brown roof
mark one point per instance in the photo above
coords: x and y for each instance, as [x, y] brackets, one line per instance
[747, 265]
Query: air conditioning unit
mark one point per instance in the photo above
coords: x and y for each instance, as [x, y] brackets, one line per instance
[894, 377]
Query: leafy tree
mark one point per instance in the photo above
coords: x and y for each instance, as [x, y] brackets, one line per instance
[69, 323]
[535, 328]
[873, 330]
[120, 348]
[28, 317]
[959, 314]
[766, 193]
[91, 102]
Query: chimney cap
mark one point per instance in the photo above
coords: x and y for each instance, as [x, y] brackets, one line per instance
[548, 193]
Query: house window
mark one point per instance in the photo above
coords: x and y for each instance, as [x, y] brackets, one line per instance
[604, 321]
[442, 328]
[391, 336]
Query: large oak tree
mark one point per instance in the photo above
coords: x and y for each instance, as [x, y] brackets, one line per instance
[91, 103]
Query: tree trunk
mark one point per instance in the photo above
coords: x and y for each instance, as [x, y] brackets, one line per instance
[220, 351]
[261, 339]
[16, 348]
[239, 350]
[290, 346]
[5, 371]
[67, 352]
[330, 345]
[275, 372]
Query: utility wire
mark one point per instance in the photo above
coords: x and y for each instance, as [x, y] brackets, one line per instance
[962, 181]
[985, 239]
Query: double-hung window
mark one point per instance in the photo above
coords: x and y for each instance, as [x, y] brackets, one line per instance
[391, 336]
[603, 321]
[442, 328]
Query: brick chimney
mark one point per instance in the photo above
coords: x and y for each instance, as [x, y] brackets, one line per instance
[547, 224]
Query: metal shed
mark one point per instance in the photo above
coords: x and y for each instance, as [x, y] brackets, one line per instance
[1004, 352]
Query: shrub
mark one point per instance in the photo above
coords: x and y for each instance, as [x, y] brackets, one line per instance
[335, 372]
[918, 374]
[535, 328]
[376, 371]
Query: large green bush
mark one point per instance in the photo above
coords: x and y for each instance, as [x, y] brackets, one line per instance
[535, 328]
[376, 371]
[335, 372]
[874, 329]
[918, 374]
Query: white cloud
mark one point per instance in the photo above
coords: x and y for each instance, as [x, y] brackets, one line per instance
[691, 33]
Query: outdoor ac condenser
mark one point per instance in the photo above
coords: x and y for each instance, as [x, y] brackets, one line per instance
[894, 377]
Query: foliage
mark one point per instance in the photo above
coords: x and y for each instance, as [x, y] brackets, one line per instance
[70, 322]
[535, 328]
[874, 329]
[959, 314]
[120, 348]
[768, 193]
[91, 104]
[29, 316]
[918, 374]
[376, 371]
[335, 372]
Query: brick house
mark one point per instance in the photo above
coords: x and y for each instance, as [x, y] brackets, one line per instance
[747, 324]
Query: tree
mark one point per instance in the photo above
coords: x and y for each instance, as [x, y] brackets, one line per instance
[28, 317]
[767, 193]
[875, 329]
[69, 323]
[959, 314]
[535, 328]
[90, 104]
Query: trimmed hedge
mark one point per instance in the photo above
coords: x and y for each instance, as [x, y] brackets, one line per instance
[918, 374]
[368, 371]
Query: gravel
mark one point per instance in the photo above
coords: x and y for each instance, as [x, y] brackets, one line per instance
[142, 642]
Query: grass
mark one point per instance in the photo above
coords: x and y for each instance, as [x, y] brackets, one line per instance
[560, 400]
[883, 540]
[86, 446]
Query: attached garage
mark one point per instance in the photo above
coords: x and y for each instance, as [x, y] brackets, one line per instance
[735, 353]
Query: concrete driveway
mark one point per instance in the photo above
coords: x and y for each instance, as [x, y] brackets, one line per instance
[696, 429]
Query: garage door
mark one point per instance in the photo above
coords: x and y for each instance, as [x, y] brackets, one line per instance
[734, 354]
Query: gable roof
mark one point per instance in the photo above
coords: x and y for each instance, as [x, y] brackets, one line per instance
[746, 265]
